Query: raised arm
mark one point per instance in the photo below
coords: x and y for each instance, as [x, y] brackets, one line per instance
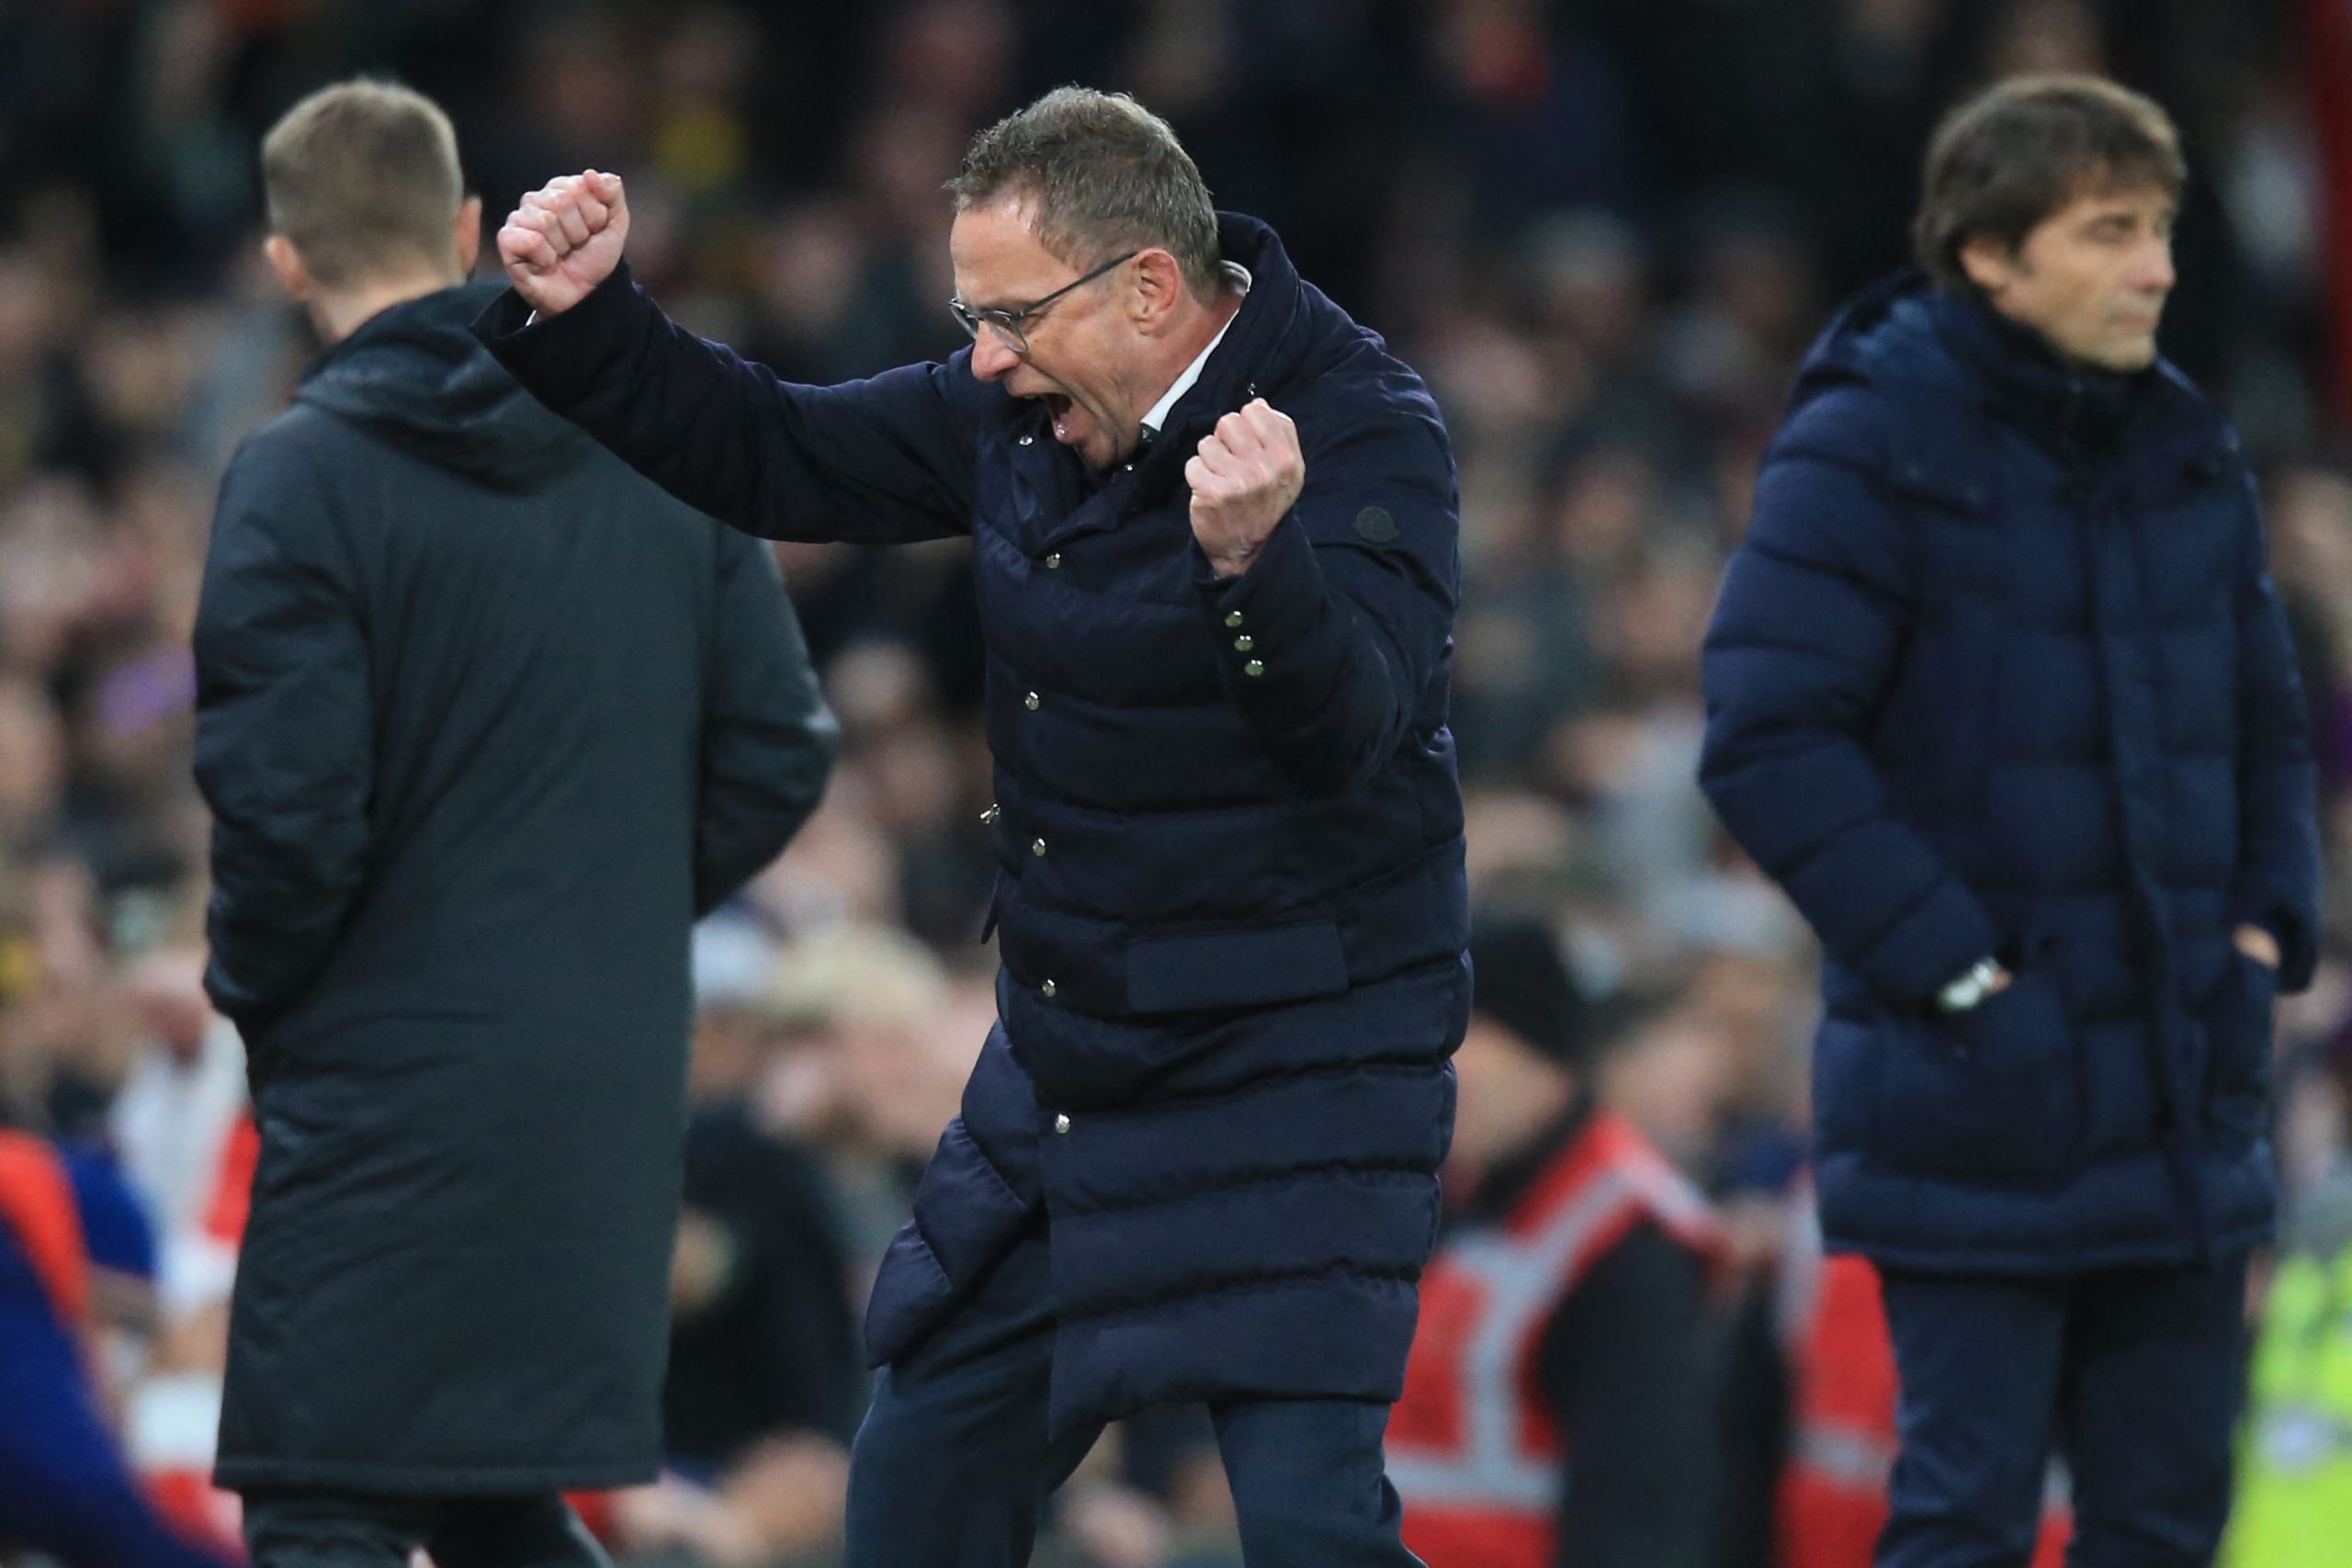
[880, 461]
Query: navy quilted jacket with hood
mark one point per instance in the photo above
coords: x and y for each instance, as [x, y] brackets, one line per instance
[1998, 670]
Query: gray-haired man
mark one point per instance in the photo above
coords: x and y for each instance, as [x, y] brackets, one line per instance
[1213, 524]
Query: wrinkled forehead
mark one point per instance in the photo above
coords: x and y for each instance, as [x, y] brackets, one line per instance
[997, 260]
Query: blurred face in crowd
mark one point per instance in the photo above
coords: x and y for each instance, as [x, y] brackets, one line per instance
[1097, 356]
[1507, 1092]
[2092, 278]
[167, 987]
[32, 760]
[730, 1044]
[1673, 1079]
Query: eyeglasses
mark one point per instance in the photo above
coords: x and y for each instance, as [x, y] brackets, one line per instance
[1008, 323]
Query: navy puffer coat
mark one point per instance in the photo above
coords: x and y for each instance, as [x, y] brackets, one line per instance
[1229, 836]
[1998, 670]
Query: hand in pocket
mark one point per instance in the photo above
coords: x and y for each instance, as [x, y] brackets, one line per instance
[1994, 1091]
[2238, 1031]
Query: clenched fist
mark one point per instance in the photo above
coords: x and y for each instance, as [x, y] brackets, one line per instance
[564, 239]
[1247, 474]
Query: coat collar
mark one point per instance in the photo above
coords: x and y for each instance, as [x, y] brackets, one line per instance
[1156, 417]
[1263, 345]
[1909, 338]
[1262, 350]
[2080, 413]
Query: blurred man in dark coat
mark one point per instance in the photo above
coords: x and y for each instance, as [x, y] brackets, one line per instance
[485, 722]
[1214, 525]
[1999, 691]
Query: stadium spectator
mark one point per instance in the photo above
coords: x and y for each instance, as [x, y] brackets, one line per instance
[65, 1488]
[762, 1393]
[2294, 1502]
[1560, 1400]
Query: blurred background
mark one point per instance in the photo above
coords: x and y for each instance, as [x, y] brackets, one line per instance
[1605, 230]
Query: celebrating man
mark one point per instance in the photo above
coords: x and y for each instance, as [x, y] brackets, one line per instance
[1214, 536]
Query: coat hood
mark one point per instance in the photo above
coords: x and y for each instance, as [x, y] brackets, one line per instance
[414, 376]
[1905, 332]
[1270, 337]
[1286, 333]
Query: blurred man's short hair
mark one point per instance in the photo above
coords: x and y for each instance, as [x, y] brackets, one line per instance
[1106, 174]
[2020, 150]
[858, 978]
[363, 176]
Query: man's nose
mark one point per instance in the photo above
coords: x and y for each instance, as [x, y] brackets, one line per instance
[992, 358]
[2152, 270]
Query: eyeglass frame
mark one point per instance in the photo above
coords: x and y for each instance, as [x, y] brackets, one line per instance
[1008, 323]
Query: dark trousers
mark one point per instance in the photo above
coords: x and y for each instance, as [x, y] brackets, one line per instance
[954, 1464]
[330, 1529]
[2133, 1374]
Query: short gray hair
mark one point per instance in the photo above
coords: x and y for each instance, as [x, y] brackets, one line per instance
[1106, 174]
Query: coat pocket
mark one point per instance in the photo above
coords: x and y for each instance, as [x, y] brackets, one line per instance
[2237, 1033]
[1235, 969]
[1995, 1091]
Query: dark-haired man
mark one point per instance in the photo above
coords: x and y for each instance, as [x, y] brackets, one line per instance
[470, 786]
[1214, 525]
[1999, 691]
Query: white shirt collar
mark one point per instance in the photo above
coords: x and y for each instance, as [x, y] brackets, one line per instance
[1157, 414]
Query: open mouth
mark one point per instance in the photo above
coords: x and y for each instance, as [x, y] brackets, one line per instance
[1057, 410]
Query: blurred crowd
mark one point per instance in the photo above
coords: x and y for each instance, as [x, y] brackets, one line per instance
[1605, 231]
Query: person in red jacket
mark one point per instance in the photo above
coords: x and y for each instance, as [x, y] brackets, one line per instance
[1559, 1398]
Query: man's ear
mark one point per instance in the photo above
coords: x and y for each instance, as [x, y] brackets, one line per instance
[286, 262]
[469, 236]
[1158, 290]
[1990, 264]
